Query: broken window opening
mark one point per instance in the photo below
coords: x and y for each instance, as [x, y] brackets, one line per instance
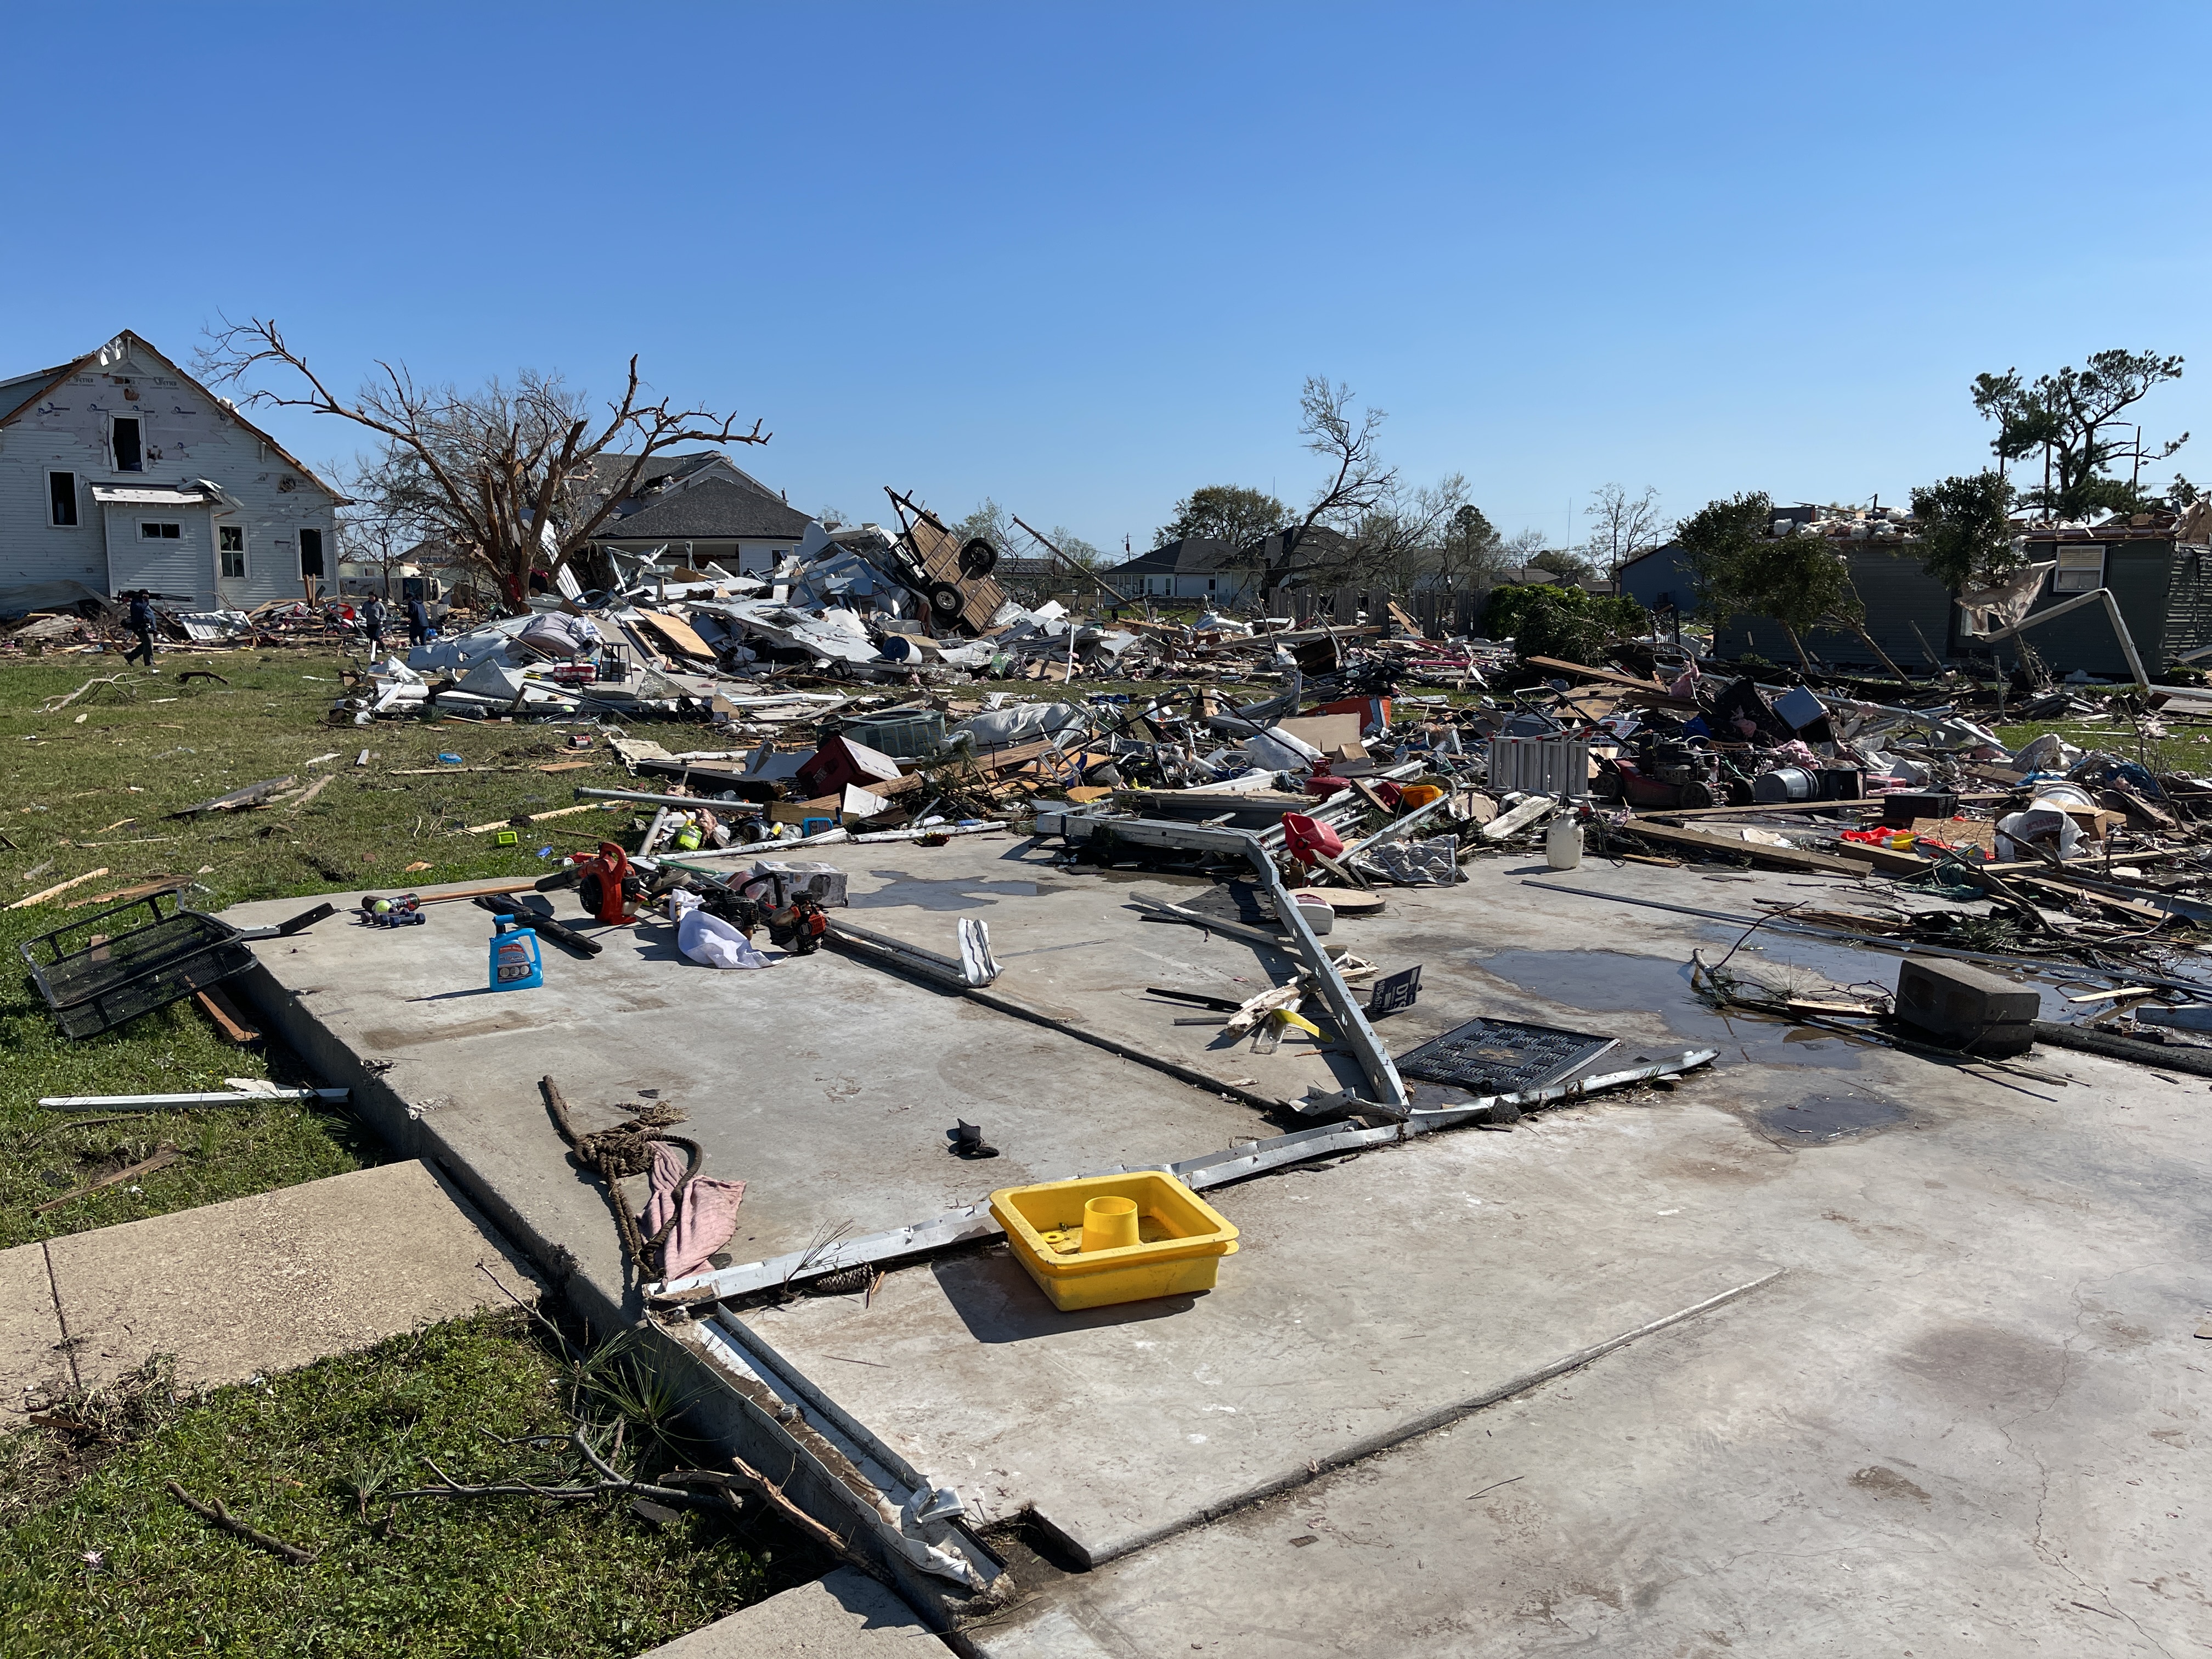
[149, 530]
[61, 498]
[129, 451]
[232, 538]
[311, 552]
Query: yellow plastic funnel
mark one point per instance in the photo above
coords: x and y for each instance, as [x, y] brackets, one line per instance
[1109, 1224]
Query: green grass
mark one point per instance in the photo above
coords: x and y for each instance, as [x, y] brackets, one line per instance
[96, 1557]
[78, 794]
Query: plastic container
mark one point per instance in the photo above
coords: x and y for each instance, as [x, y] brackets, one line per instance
[1320, 914]
[514, 961]
[1562, 844]
[1180, 1238]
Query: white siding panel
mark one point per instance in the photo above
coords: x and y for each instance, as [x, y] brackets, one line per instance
[182, 568]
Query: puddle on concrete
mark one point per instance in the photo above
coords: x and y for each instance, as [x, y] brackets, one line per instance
[1609, 981]
[1817, 1119]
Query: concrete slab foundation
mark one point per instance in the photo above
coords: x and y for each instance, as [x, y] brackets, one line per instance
[1968, 1410]
[252, 1284]
[847, 1615]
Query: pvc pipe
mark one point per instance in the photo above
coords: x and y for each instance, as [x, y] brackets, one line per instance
[154, 1102]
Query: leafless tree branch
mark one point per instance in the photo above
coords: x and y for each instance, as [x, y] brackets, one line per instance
[506, 474]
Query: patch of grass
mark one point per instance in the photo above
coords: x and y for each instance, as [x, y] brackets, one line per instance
[97, 1559]
[78, 794]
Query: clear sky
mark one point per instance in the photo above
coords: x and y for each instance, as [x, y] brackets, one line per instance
[1078, 257]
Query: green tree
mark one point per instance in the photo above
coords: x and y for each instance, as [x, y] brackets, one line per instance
[2074, 415]
[1572, 566]
[1716, 543]
[1569, 622]
[1077, 549]
[1227, 513]
[1738, 568]
[1965, 530]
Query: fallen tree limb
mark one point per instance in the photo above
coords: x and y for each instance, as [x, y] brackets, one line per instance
[215, 1516]
[162, 1157]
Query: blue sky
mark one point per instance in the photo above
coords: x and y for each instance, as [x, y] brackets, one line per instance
[1080, 257]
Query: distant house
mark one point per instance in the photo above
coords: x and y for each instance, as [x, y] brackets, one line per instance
[2161, 582]
[1196, 567]
[701, 507]
[120, 472]
[1658, 580]
[1205, 567]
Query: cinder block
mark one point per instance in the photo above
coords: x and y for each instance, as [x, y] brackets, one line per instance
[1966, 1007]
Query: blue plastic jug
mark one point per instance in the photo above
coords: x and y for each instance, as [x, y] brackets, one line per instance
[514, 965]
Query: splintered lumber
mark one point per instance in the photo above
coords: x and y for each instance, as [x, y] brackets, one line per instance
[1785, 858]
[59, 887]
[254, 795]
[522, 819]
[138, 891]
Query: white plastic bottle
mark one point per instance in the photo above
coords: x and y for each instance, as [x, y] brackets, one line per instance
[1563, 843]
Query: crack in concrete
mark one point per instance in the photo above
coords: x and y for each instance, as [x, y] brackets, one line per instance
[67, 1345]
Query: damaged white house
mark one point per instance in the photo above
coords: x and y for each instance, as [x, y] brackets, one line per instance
[118, 471]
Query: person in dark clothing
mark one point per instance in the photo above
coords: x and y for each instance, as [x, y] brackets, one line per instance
[418, 621]
[373, 618]
[142, 624]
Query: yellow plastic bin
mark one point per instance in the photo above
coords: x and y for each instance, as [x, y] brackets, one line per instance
[1181, 1238]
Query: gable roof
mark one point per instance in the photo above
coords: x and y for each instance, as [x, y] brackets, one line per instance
[713, 509]
[127, 342]
[608, 471]
[1191, 556]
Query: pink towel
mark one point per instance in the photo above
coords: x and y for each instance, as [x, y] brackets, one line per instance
[710, 1212]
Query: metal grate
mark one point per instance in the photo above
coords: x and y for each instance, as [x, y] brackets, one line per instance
[1500, 1056]
[92, 979]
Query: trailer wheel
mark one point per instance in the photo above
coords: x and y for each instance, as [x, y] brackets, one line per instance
[945, 599]
[978, 559]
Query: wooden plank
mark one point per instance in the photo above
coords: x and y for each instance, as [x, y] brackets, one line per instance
[225, 1013]
[59, 887]
[679, 633]
[1606, 674]
[136, 890]
[1787, 858]
[2127, 907]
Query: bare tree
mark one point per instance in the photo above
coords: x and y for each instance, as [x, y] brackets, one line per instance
[990, 522]
[1623, 527]
[1402, 538]
[511, 476]
[1469, 553]
[1521, 547]
[1357, 484]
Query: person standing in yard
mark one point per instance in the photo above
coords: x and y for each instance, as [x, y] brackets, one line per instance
[373, 618]
[418, 621]
[142, 624]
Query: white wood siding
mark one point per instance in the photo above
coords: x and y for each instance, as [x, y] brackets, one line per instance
[179, 569]
[188, 435]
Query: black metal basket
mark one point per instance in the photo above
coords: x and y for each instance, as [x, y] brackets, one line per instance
[136, 957]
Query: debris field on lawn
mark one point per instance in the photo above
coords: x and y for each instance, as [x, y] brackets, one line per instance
[1078, 1132]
